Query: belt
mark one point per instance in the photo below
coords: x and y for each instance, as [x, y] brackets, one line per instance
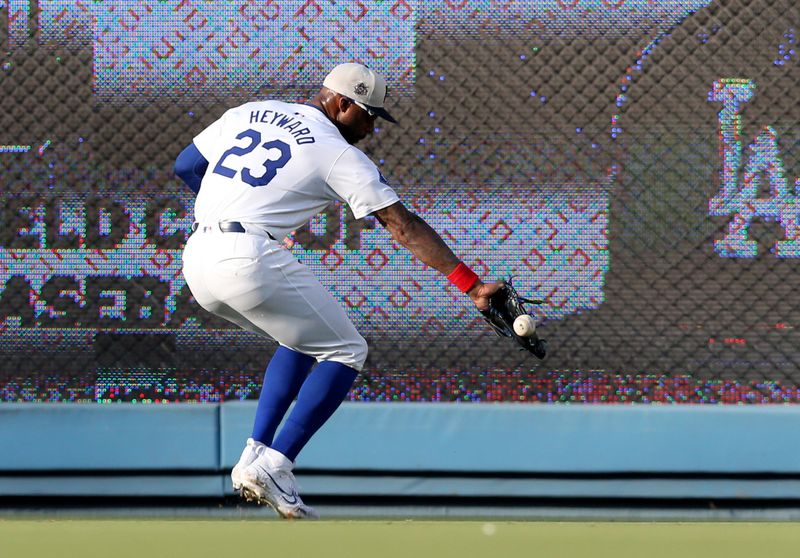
[232, 227]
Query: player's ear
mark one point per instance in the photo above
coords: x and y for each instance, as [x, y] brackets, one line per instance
[344, 103]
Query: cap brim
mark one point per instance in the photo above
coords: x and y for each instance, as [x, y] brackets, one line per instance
[382, 112]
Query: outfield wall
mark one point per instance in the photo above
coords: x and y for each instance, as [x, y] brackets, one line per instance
[413, 449]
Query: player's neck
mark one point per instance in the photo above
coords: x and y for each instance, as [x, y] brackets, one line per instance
[318, 102]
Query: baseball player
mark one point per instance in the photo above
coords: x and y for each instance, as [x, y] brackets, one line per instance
[261, 171]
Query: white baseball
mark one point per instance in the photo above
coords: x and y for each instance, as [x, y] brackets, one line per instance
[524, 325]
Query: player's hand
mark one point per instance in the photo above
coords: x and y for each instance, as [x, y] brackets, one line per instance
[481, 292]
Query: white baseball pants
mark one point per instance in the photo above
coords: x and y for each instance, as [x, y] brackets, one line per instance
[252, 281]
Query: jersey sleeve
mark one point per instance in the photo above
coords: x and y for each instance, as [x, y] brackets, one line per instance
[359, 183]
[209, 138]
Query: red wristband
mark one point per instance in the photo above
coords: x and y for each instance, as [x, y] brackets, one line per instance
[463, 278]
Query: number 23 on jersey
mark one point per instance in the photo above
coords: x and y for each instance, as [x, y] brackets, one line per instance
[271, 166]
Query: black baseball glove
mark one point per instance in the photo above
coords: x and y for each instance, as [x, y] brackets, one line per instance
[504, 306]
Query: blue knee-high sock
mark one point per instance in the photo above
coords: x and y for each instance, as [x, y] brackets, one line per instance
[321, 394]
[286, 372]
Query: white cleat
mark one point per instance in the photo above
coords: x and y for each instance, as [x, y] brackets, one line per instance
[249, 454]
[269, 480]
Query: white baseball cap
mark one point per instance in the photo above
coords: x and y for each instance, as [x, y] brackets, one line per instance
[363, 86]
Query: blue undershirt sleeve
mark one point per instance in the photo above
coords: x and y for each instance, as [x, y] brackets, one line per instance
[190, 166]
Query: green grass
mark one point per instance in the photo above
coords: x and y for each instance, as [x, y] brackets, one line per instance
[387, 539]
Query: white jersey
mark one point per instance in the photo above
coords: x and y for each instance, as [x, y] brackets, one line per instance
[278, 164]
